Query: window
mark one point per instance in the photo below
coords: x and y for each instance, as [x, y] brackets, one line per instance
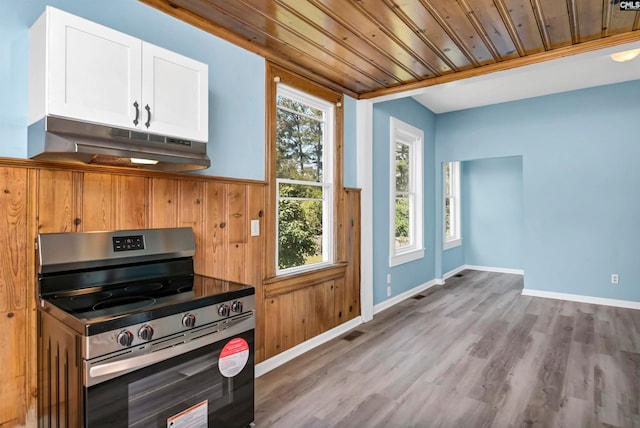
[304, 184]
[406, 236]
[451, 204]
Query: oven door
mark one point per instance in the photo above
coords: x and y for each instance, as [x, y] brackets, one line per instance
[211, 385]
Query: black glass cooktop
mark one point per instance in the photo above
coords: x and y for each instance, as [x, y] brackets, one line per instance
[113, 300]
[95, 310]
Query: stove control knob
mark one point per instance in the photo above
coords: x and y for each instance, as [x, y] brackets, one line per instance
[145, 332]
[189, 320]
[223, 310]
[236, 306]
[125, 338]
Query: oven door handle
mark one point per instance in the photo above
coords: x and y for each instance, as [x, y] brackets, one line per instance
[110, 370]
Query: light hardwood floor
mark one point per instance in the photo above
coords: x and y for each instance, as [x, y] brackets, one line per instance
[472, 353]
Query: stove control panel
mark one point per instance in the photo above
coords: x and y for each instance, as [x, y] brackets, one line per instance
[160, 328]
[128, 243]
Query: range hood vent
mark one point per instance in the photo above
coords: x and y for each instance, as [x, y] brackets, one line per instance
[66, 140]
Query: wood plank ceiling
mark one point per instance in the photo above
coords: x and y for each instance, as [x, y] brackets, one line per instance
[367, 48]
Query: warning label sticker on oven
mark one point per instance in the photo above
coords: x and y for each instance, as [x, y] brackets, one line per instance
[193, 417]
[233, 357]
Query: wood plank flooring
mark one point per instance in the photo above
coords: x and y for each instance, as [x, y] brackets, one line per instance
[472, 353]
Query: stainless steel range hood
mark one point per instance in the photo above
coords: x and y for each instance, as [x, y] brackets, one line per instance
[66, 140]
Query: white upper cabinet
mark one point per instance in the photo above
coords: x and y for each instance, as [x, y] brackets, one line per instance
[91, 73]
[85, 71]
[176, 90]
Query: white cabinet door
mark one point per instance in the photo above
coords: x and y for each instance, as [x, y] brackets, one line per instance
[175, 89]
[94, 71]
[88, 72]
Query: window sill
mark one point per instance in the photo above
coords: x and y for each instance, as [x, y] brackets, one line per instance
[301, 279]
[447, 245]
[406, 257]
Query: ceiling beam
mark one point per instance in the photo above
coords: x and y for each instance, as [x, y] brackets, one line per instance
[199, 22]
[477, 25]
[577, 48]
[573, 21]
[542, 25]
[580, 48]
[511, 27]
[450, 32]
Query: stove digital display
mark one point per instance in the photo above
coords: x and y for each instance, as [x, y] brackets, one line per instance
[128, 243]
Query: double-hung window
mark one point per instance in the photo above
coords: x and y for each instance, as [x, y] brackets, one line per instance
[304, 185]
[406, 184]
[451, 204]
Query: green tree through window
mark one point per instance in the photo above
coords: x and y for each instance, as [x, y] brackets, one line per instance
[302, 191]
[402, 220]
[405, 195]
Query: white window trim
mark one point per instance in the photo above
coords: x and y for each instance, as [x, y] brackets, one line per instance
[327, 183]
[456, 240]
[451, 243]
[414, 137]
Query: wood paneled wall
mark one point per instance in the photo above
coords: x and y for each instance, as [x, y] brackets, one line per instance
[17, 305]
[219, 212]
[302, 306]
[42, 197]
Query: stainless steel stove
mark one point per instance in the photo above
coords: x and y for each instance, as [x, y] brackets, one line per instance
[130, 336]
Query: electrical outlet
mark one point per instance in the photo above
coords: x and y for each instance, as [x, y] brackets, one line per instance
[388, 278]
[614, 278]
[389, 291]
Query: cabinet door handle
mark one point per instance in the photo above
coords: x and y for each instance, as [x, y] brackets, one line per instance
[136, 105]
[148, 109]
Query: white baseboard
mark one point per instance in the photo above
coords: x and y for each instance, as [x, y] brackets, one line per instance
[629, 304]
[438, 281]
[288, 355]
[441, 281]
[495, 269]
[403, 296]
[453, 272]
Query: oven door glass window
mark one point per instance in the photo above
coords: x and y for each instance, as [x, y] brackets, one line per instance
[187, 389]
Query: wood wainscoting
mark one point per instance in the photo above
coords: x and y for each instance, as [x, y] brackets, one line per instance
[17, 303]
[51, 197]
[301, 306]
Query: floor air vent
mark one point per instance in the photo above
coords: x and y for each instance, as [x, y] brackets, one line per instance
[419, 296]
[353, 335]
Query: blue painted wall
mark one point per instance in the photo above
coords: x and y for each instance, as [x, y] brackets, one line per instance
[350, 143]
[409, 275]
[580, 152]
[492, 215]
[453, 258]
[236, 78]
